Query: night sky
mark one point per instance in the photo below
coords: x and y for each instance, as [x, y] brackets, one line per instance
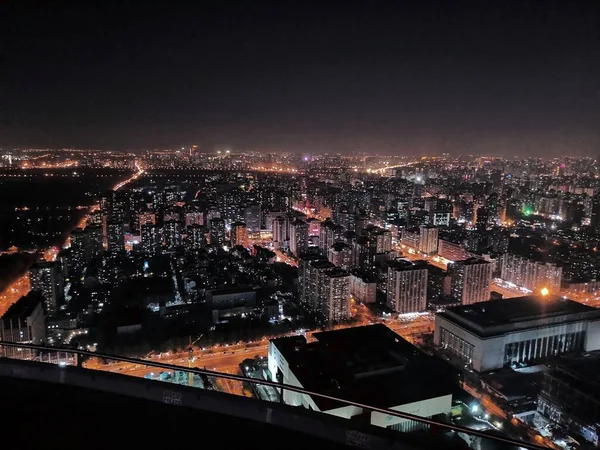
[486, 77]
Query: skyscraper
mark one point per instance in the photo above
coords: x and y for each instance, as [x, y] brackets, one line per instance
[116, 237]
[340, 254]
[217, 231]
[407, 286]
[172, 234]
[280, 238]
[150, 239]
[471, 280]
[96, 239]
[196, 237]
[252, 220]
[46, 279]
[239, 234]
[334, 297]
[298, 237]
[80, 248]
[428, 239]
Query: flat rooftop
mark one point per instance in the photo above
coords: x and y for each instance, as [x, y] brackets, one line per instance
[23, 307]
[517, 312]
[369, 364]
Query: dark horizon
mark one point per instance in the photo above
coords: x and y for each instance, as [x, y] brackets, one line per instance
[504, 79]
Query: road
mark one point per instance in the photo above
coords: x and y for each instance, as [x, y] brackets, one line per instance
[587, 298]
[134, 177]
[227, 358]
[282, 257]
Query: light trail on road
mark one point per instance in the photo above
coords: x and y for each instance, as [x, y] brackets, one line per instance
[135, 176]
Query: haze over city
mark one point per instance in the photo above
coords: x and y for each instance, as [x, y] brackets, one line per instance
[409, 78]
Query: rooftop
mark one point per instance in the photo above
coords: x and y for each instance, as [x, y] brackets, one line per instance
[340, 246]
[405, 264]
[369, 364]
[517, 311]
[24, 306]
[472, 261]
[337, 272]
[231, 290]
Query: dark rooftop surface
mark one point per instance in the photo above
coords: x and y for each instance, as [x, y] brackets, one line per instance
[24, 306]
[517, 309]
[369, 364]
[231, 290]
[405, 264]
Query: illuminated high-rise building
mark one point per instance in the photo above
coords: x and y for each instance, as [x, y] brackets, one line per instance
[334, 298]
[239, 234]
[45, 277]
[150, 239]
[116, 237]
[340, 254]
[252, 218]
[96, 239]
[471, 280]
[194, 218]
[298, 237]
[146, 217]
[407, 287]
[217, 231]
[195, 237]
[428, 239]
[172, 234]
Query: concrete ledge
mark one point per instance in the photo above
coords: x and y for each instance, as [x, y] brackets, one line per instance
[342, 431]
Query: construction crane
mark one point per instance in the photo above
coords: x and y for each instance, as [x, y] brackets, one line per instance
[190, 350]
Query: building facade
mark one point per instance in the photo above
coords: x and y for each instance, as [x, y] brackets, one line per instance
[471, 280]
[490, 335]
[407, 287]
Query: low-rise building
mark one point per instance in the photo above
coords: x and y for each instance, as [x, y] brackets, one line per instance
[368, 365]
[24, 322]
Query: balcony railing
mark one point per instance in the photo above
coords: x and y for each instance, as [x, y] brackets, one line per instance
[223, 382]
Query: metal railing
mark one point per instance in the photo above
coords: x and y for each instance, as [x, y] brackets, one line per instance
[78, 361]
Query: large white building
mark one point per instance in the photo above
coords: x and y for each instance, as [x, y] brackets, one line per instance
[490, 335]
[369, 365]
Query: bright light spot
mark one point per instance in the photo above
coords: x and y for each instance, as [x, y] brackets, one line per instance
[474, 408]
[544, 291]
